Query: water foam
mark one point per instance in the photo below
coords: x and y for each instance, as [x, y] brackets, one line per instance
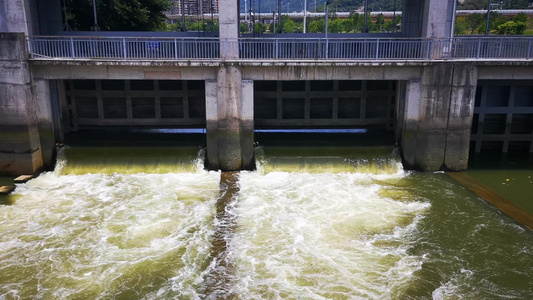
[306, 235]
[107, 235]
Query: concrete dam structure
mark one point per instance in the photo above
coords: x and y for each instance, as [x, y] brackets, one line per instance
[439, 96]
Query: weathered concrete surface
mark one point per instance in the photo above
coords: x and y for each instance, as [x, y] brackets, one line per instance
[427, 18]
[438, 116]
[436, 14]
[229, 118]
[20, 149]
[123, 70]
[332, 72]
[14, 15]
[505, 71]
[460, 118]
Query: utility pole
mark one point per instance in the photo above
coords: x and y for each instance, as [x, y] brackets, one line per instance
[305, 14]
[95, 27]
[182, 8]
[488, 18]
[326, 29]
[394, 18]
[279, 16]
[365, 27]
[274, 21]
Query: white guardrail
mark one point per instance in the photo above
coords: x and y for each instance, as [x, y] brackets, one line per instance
[135, 48]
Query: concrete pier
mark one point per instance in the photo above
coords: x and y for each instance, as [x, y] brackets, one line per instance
[437, 119]
[20, 144]
[229, 121]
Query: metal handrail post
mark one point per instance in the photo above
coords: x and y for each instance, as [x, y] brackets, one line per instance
[478, 49]
[377, 49]
[428, 48]
[30, 46]
[529, 49]
[319, 48]
[183, 47]
[176, 49]
[327, 49]
[276, 50]
[227, 50]
[124, 48]
[72, 48]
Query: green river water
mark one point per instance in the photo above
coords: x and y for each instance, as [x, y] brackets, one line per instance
[314, 223]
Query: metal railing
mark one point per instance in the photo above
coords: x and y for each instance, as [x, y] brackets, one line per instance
[123, 48]
[212, 49]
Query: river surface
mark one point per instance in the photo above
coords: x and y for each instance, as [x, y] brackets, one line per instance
[324, 223]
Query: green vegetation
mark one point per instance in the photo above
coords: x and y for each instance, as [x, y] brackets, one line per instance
[118, 15]
[267, 6]
[354, 23]
[195, 25]
[475, 24]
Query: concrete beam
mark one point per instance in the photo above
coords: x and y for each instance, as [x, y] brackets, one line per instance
[122, 72]
[332, 72]
[505, 72]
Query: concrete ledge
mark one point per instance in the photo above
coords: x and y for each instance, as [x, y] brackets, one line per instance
[280, 62]
[22, 178]
[6, 190]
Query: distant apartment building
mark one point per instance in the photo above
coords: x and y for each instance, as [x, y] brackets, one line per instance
[194, 7]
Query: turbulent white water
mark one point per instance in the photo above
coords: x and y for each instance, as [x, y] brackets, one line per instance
[366, 230]
[322, 235]
[107, 236]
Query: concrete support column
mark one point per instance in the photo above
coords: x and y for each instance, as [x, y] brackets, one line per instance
[436, 18]
[15, 16]
[45, 121]
[427, 18]
[438, 116]
[229, 28]
[20, 149]
[229, 114]
[461, 115]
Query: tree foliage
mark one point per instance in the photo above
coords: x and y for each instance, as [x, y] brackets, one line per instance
[118, 15]
[473, 4]
[512, 27]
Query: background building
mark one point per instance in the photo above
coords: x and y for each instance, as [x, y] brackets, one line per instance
[194, 7]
